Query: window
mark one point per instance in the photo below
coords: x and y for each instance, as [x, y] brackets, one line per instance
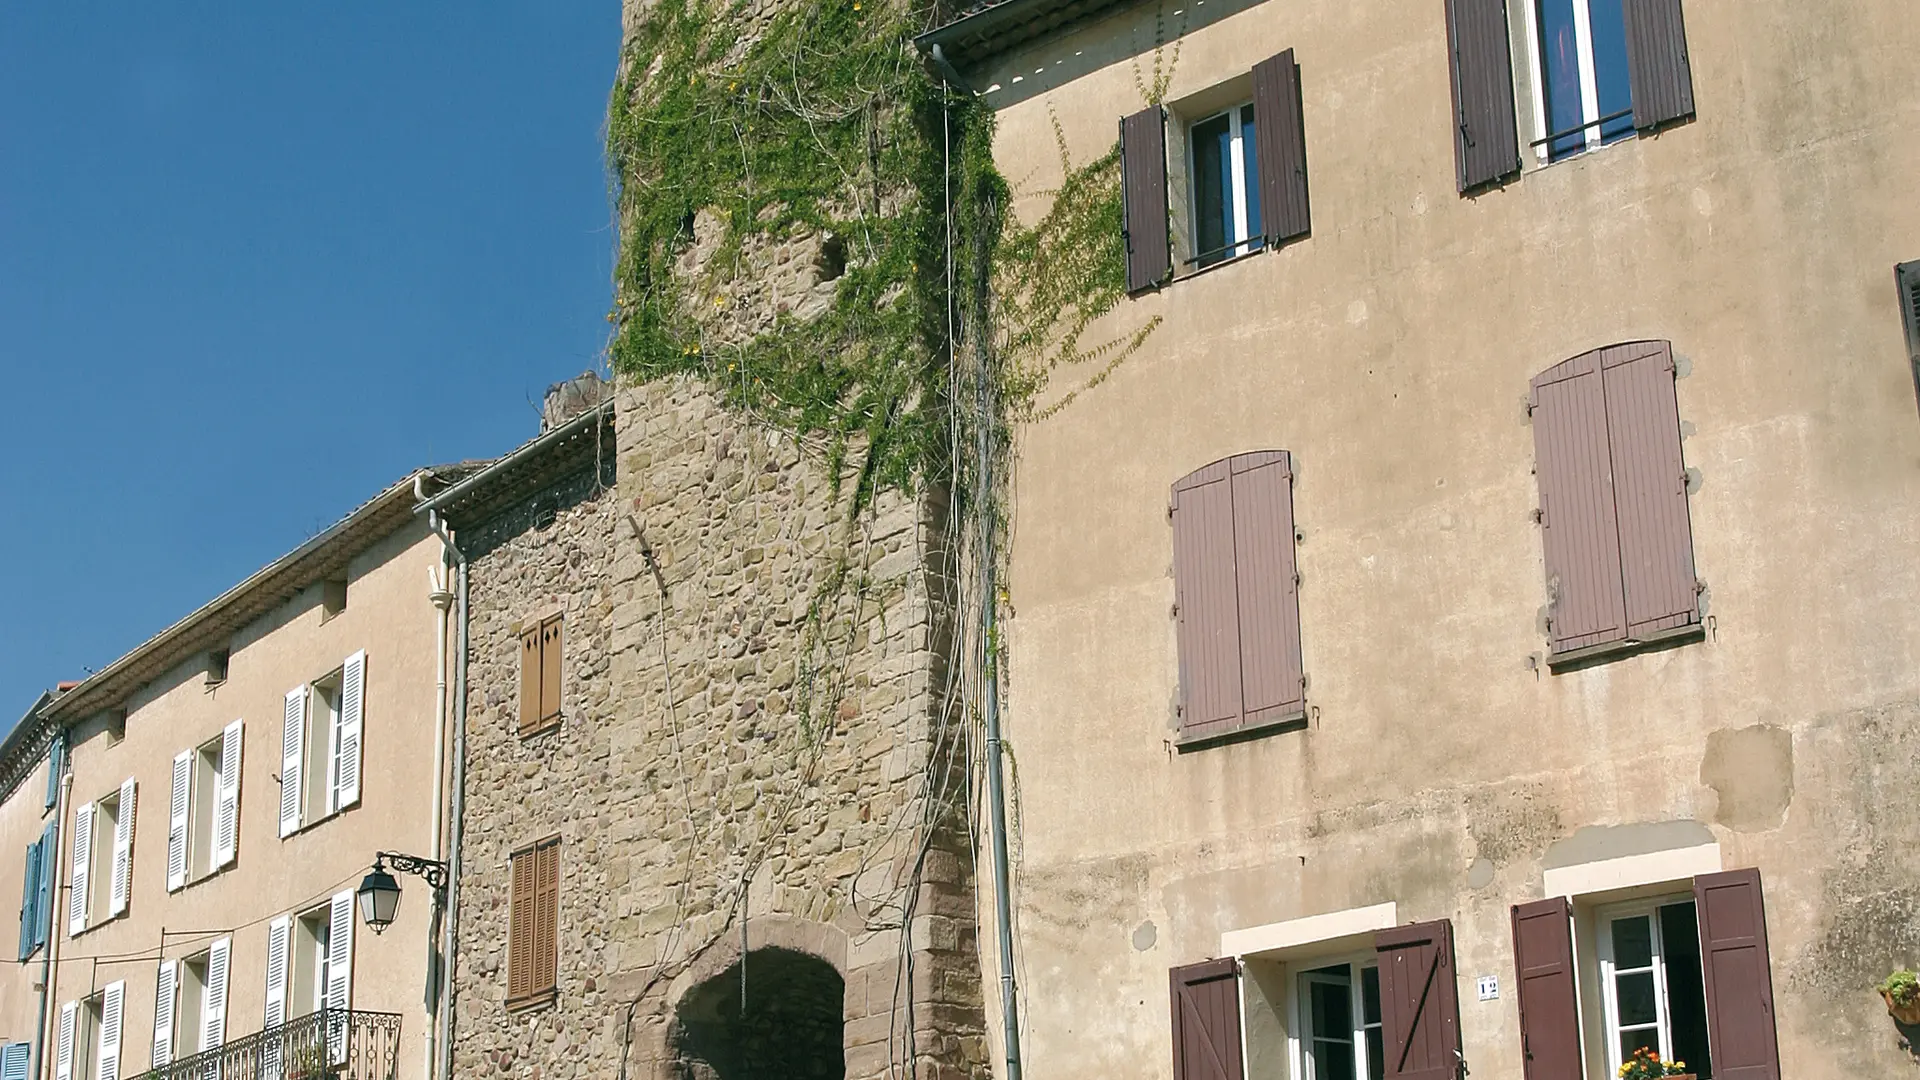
[102, 877]
[190, 1012]
[1672, 972]
[540, 675]
[218, 661]
[1583, 91]
[1651, 980]
[320, 746]
[534, 915]
[1235, 602]
[333, 597]
[88, 1041]
[1338, 1018]
[203, 827]
[1223, 166]
[1614, 526]
[310, 965]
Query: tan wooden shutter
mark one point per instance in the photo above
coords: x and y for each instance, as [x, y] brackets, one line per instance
[1419, 1002]
[1143, 179]
[1206, 1021]
[1657, 66]
[550, 668]
[530, 678]
[1735, 966]
[1543, 970]
[1578, 532]
[546, 904]
[1661, 592]
[1281, 146]
[520, 928]
[1486, 136]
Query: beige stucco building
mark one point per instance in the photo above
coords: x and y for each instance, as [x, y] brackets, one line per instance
[228, 784]
[1447, 755]
[29, 834]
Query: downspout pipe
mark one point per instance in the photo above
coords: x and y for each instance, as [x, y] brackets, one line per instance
[442, 601]
[450, 935]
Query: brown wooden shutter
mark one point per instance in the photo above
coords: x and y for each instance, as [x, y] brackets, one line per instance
[1657, 66]
[1419, 1003]
[1237, 604]
[1578, 532]
[530, 678]
[1649, 489]
[546, 906]
[520, 928]
[550, 667]
[1733, 955]
[1206, 1021]
[1906, 277]
[1143, 167]
[1549, 1008]
[1486, 136]
[1280, 137]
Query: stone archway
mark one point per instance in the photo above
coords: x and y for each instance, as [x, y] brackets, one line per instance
[790, 1028]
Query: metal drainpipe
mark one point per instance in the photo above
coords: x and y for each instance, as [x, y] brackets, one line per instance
[50, 960]
[451, 934]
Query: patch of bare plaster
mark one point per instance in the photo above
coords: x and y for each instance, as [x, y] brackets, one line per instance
[1751, 770]
[1144, 936]
[1480, 874]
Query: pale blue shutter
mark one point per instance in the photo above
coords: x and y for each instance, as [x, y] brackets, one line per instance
[43, 911]
[56, 764]
[29, 899]
[13, 1061]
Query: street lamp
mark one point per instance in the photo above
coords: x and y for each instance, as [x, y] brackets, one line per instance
[379, 893]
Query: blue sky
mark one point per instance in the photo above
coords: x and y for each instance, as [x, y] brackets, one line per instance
[258, 261]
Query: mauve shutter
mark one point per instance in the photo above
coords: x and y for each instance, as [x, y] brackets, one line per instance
[1578, 532]
[1272, 685]
[1657, 66]
[1649, 488]
[520, 932]
[1549, 1009]
[1143, 168]
[1206, 603]
[546, 903]
[1206, 1021]
[1280, 137]
[530, 678]
[1907, 277]
[550, 669]
[1419, 1005]
[1486, 137]
[1733, 955]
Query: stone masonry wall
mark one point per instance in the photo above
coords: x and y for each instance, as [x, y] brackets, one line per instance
[755, 707]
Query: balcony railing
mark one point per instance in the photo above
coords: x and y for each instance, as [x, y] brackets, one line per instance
[332, 1044]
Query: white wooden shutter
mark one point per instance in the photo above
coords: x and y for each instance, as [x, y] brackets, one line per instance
[213, 1008]
[123, 851]
[226, 822]
[112, 1005]
[279, 938]
[353, 687]
[293, 751]
[339, 973]
[164, 996]
[82, 863]
[63, 1046]
[177, 821]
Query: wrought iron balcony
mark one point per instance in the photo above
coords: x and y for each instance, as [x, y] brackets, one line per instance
[332, 1044]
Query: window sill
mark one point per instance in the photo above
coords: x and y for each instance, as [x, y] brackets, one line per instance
[533, 1002]
[307, 826]
[541, 728]
[1591, 655]
[1296, 721]
[1212, 266]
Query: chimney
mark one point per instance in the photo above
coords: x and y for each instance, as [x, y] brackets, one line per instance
[566, 400]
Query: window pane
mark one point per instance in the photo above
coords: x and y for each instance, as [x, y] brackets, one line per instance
[1250, 154]
[1686, 994]
[1636, 998]
[1332, 1011]
[1376, 1055]
[1633, 942]
[1212, 185]
[1610, 66]
[1370, 995]
[1630, 1041]
[1332, 1060]
[1560, 76]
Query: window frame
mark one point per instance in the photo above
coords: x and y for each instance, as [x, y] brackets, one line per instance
[100, 863]
[309, 960]
[203, 822]
[1299, 1017]
[1603, 917]
[320, 771]
[1243, 242]
[1541, 144]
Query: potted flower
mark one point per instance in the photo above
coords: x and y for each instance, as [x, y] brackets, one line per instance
[1645, 1064]
[1902, 994]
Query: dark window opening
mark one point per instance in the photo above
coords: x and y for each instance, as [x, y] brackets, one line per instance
[333, 597]
[217, 662]
[790, 1027]
[832, 260]
[1686, 990]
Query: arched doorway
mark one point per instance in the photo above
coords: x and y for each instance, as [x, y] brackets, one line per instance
[790, 1028]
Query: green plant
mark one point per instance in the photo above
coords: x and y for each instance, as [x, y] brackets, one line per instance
[1645, 1064]
[1901, 989]
[304, 1061]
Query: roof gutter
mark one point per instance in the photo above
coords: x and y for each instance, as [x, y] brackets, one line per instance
[530, 449]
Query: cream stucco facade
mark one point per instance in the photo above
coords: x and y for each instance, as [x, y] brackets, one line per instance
[1443, 770]
[285, 629]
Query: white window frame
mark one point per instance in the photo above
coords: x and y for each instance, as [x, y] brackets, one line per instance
[1242, 243]
[1603, 918]
[1589, 81]
[1300, 1016]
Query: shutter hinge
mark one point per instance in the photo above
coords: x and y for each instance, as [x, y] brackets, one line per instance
[1174, 611]
[1539, 516]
